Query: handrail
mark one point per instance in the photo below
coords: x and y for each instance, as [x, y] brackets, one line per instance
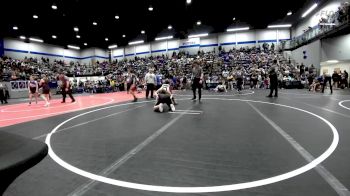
[315, 33]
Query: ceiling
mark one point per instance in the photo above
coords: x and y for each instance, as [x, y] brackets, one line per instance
[216, 16]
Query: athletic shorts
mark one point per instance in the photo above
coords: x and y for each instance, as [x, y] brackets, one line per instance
[32, 90]
[46, 91]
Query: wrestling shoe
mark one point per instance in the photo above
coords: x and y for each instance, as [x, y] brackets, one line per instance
[172, 107]
[160, 108]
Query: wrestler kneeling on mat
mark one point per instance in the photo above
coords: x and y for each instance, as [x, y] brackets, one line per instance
[164, 96]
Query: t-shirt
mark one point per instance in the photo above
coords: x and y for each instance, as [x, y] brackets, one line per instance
[159, 79]
[64, 80]
[150, 78]
[197, 72]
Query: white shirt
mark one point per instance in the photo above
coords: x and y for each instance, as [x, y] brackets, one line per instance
[225, 74]
[150, 78]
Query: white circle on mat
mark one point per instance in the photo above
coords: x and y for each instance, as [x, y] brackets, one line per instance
[341, 104]
[206, 189]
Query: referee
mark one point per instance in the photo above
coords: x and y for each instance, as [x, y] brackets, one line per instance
[197, 80]
[151, 80]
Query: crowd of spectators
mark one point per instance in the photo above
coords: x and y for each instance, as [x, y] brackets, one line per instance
[220, 68]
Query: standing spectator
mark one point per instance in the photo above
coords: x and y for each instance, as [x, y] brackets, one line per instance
[150, 80]
[197, 80]
[159, 80]
[239, 80]
[346, 77]
[327, 78]
[335, 78]
[230, 81]
[225, 74]
[3, 98]
[7, 93]
[273, 82]
[66, 88]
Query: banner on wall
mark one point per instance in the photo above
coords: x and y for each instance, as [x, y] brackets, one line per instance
[191, 41]
[325, 12]
[19, 85]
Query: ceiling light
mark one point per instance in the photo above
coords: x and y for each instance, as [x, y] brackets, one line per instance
[289, 13]
[163, 38]
[78, 36]
[35, 16]
[106, 39]
[234, 18]
[170, 27]
[85, 44]
[15, 28]
[150, 8]
[279, 26]
[198, 35]
[238, 29]
[124, 35]
[116, 17]
[76, 29]
[309, 10]
[333, 61]
[112, 46]
[54, 7]
[73, 47]
[136, 42]
[94, 23]
[54, 36]
[143, 32]
[36, 40]
[22, 37]
[188, 1]
[199, 22]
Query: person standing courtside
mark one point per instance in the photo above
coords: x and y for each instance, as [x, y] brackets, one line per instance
[273, 82]
[327, 78]
[3, 97]
[150, 80]
[197, 80]
[66, 88]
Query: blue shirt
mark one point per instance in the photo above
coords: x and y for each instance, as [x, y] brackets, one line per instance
[159, 79]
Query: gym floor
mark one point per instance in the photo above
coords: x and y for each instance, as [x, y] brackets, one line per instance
[229, 144]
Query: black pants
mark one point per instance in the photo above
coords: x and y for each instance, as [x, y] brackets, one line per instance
[65, 93]
[346, 83]
[195, 85]
[150, 87]
[327, 79]
[239, 84]
[274, 87]
[7, 94]
[3, 98]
